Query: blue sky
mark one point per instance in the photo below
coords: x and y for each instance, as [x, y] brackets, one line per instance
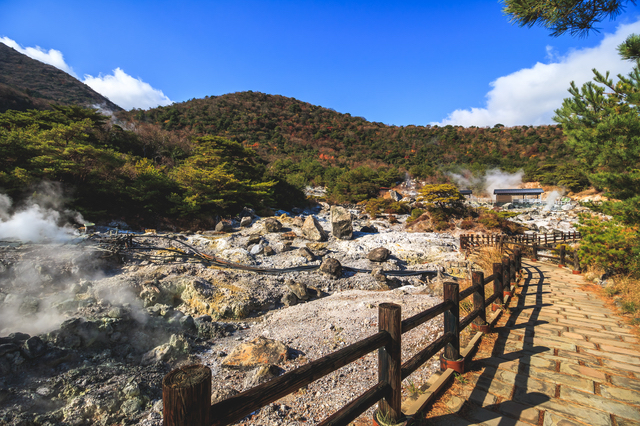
[397, 63]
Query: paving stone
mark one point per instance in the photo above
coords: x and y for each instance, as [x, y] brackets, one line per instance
[580, 370]
[489, 418]
[448, 420]
[600, 403]
[562, 379]
[620, 350]
[621, 394]
[520, 411]
[610, 341]
[478, 396]
[575, 336]
[552, 419]
[635, 360]
[626, 382]
[621, 366]
[574, 411]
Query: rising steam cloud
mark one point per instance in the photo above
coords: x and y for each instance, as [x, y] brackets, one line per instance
[38, 220]
[485, 184]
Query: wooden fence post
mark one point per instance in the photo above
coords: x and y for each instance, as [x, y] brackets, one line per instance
[480, 322]
[389, 360]
[451, 356]
[563, 254]
[576, 262]
[534, 249]
[512, 269]
[186, 396]
[506, 283]
[497, 286]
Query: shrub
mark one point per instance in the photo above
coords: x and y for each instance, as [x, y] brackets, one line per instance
[415, 214]
[467, 224]
[609, 244]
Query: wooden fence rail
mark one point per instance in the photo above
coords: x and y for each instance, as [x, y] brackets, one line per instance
[178, 411]
[536, 242]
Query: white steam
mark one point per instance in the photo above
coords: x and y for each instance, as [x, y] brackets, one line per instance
[551, 199]
[485, 184]
[39, 220]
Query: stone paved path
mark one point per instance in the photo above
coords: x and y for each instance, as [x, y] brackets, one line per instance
[561, 358]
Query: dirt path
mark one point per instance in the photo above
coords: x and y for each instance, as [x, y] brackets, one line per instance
[561, 357]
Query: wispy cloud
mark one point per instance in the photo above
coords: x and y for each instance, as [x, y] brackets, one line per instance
[121, 88]
[530, 95]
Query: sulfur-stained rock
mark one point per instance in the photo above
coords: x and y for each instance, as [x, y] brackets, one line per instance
[259, 352]
[297, 288]
[312, 230]
[341, 225]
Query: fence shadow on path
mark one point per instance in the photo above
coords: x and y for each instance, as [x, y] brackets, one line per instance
[499, 389]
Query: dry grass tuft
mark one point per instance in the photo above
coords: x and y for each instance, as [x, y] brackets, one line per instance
[485, 257]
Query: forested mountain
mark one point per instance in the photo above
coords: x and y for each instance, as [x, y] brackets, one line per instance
[306, 140]
[29, 84]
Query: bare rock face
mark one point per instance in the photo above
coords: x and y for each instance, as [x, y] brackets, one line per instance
[272, 225]
[341, 225]
[259, 352]
[379, 254]
[312, 230]
[245, 222]
[331, 267]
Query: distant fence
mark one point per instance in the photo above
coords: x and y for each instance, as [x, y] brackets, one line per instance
[187, 391]
[534, 242]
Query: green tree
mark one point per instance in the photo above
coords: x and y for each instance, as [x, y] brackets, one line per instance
[443, 195]
[578, 17]
[602, 123]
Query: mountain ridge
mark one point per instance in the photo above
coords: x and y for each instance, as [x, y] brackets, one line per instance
[27, 83]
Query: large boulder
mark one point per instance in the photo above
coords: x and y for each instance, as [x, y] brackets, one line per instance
[272, 225]
[331, 267]
[379, 254]
[341, 225]
[297, 288]
[259, 352]
[312, 230]
[223, 226]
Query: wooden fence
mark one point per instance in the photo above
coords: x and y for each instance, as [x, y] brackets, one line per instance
[187, 391]
[535, 242]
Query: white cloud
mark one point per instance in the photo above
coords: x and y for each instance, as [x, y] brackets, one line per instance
[530, 95]
[126, 91]
[51, 57]
[121, 88]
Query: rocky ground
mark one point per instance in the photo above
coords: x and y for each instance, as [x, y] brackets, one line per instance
[87, 340]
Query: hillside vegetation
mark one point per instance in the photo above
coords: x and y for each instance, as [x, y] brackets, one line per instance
[29, 84]
[316, 145]
[143, 177]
